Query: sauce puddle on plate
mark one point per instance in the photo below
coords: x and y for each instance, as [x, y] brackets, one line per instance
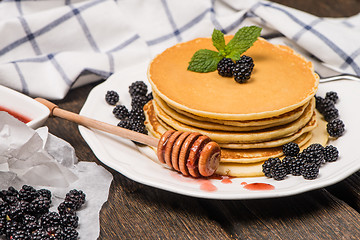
[205, 184]
[16, 115]
[259, 186]
[208, 186]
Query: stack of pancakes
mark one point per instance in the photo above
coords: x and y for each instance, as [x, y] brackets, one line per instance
[251, 121]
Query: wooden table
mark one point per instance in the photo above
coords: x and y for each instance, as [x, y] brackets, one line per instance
[136, 211]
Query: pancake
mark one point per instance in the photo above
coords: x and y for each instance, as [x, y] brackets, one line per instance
[319, 134]
[235, 155]
[240, 137]
[215, 124]
[281, 82]
[243, 155]
[258, 154]
[240, 170]
[151, 122]
[263, 144]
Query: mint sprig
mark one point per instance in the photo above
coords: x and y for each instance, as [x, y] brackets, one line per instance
[205, 60]
[218, 40]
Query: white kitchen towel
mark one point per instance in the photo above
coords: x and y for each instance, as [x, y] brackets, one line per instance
[50, 46]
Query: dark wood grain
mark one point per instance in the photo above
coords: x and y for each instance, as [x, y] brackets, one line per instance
[136, 211]
[325, 8]
[305, 216]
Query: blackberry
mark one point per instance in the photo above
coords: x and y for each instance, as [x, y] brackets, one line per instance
[287, 161]
[12, 192]
[77, 197]
[50, 219]
[314, 153]
[30, 223]
[2, 222]
[138, 101]
[278, 171]
[28, 219]
[45, 193]
[307, 157]
[112, 97]
[121, 112]
[19, 235]
[55, 232]
[66, 207]
[69, 220]
[134, 125]
[4, 208]
[139, 127]
[296, 165]
[137, 114]
[70, 233]
[331, 154]
[332, 96]
[330, 113]
[335, 128]
[27, 193]
[138, 88]
[324, 103]
[246, 60]
[2, 226]
[316, 146]
[291, 149]
[25, 206]
[15, 212]
[149, 96]
[11, 199]
[267, 166]
[40, 205]
[310, 171]
[225, 67]
[10, 196]
[318, 101]
[11, 227]
[39, 234]
[125, 123]
[242, 69]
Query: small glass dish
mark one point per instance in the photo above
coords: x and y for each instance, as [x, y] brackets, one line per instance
[23, 107]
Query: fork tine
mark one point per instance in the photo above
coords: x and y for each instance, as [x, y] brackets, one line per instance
[340, 77]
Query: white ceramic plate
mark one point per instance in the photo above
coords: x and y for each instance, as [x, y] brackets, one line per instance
[23, 105]
[139, 165]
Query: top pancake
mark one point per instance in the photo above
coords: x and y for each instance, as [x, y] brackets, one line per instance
[281, 81]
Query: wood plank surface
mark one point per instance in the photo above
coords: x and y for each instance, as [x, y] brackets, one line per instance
[136, 211]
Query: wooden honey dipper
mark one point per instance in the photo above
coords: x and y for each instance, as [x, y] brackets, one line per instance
[189, 153]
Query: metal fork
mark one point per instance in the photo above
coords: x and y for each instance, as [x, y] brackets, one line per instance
[340, 77]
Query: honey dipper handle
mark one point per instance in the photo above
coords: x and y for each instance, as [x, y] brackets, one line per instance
[92, 123]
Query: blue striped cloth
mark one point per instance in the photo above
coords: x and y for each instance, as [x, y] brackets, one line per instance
[48, 47]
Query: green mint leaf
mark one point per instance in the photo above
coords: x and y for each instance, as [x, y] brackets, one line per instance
[234, 55]
[218, 40]
[243, 39]
[204, 60]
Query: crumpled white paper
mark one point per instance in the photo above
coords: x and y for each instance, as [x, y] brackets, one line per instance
[42, 160]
